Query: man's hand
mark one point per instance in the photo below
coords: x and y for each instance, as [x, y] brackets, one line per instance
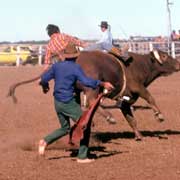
[45, 87]
[107, 85]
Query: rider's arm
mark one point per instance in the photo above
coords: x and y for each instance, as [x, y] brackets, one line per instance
[74, 40]
[47, 60]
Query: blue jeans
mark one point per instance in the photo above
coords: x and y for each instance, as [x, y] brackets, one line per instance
[64, 112]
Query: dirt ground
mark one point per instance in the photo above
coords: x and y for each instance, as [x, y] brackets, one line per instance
[118, 155]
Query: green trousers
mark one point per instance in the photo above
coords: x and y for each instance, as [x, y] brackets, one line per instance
[64, 112]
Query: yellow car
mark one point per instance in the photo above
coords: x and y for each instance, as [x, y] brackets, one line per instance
[9, 55]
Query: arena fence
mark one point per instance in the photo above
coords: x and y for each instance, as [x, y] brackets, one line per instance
[39, 54]
[172, 48]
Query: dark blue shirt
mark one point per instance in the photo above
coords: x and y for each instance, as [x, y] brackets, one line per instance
[65, 75]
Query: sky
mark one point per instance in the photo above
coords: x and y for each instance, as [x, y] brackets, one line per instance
[27, 20]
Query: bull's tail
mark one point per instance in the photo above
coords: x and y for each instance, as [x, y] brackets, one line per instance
[12, 88]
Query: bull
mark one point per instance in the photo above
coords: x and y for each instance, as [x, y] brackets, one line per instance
[130, 79]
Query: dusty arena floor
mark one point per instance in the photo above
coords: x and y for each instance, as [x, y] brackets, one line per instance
[118, 155]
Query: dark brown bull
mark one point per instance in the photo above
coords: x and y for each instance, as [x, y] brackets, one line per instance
[139, 71]
[129, 79]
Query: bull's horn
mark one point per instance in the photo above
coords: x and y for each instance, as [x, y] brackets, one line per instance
[157, 56]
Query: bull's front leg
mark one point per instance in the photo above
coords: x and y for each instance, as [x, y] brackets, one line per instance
[144, 93]
[126, 110]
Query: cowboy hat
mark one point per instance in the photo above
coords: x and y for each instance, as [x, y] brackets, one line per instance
[71, 51]
[104, 24]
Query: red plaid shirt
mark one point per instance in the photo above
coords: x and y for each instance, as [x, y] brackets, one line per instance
[57, 44]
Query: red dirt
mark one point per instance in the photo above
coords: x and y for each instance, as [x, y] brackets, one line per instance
[119, 156]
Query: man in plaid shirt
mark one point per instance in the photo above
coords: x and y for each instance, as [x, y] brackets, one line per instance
[58, 42]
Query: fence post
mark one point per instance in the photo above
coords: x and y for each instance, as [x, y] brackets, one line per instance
[130, 47]
[18, 56]
[173, 53]
[150, 46]
[40, 56]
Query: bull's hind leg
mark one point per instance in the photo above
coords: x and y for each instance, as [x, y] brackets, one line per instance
[126, 110]
[107, 115]
[90, 96]
[144, 93]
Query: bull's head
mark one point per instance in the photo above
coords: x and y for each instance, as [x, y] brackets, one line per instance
[166, 64]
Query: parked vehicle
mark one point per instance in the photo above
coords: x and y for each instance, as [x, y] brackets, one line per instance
[9, 54]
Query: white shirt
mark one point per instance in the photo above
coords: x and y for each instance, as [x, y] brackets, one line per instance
[104, 44]
[106, 40]
[106, 37]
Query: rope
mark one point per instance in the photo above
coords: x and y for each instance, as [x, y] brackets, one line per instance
[124, 79]
[11, 92]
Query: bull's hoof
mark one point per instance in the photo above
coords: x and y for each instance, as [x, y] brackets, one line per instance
[110, 120]
[160, 117]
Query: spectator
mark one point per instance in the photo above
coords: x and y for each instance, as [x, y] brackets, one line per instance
[178, 34]
[174, 36]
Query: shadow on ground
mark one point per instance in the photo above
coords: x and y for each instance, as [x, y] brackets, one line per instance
[104, 137]
[96, 152]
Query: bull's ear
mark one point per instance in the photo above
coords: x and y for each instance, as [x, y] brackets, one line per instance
[156, 56]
